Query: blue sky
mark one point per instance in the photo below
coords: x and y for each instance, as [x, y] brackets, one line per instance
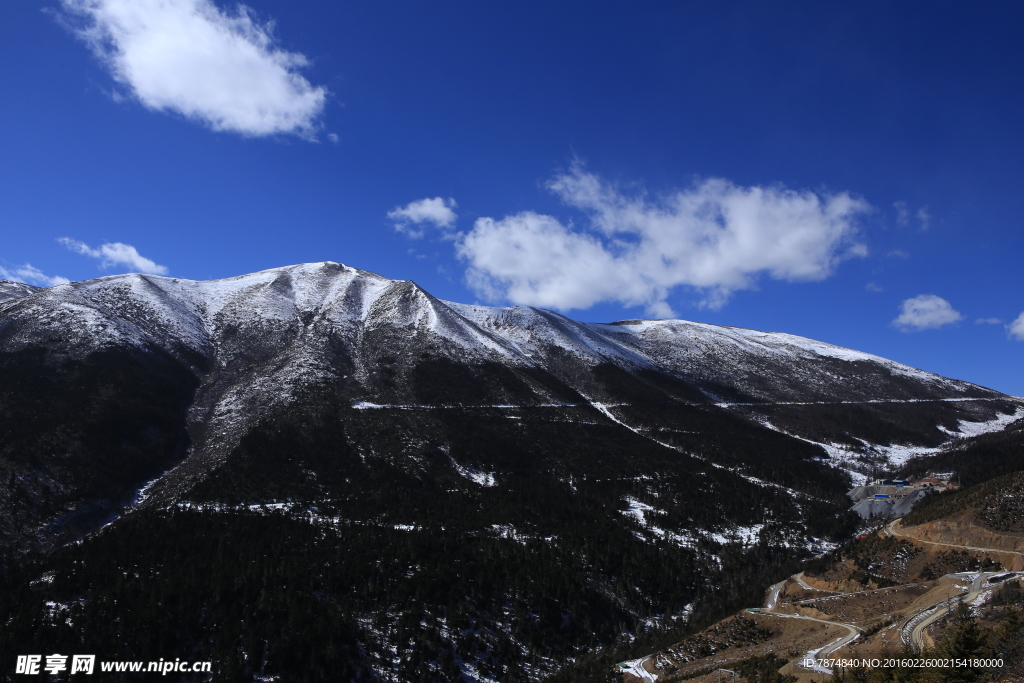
[851, 172]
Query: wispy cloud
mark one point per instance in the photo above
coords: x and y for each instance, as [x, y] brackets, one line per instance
[872, 287]
[189, 57]
[115, 254]
[1016, 328]
[902, 213]
[924, 218]
[31, 275]
[437, 212]
[988, 321]
[714, 237]
[926, 312]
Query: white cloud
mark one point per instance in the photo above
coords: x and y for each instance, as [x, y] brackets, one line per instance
[189, 57]
[873, 287]
[31, 275]
[437, 211]
[1016, 328]
[988, 321]
[926, 312]
[715, 237]
[115, 253]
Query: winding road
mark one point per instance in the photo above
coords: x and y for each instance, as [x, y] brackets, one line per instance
[636, 668]
[799, 578]
[816, 655]
[890, 530]
[912, 631]
[820, 653]
[773, 594]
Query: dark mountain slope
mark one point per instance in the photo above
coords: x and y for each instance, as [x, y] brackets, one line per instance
[996, 504]
[485, 491]
[78, 438]
[976, 459]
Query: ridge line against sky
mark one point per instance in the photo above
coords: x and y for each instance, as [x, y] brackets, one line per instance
[817, 177]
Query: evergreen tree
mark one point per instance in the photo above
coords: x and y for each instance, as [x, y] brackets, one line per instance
[1008, 642]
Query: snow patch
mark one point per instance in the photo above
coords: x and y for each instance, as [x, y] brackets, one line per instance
[637, 509]
[746, 535]
[996, 424]
[476, 476]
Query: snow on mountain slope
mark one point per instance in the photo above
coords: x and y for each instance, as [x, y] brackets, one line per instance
[15, 290]
[261, 340]
[203, 317]
[766, 366]
[244, 351]
[536, 332]
[772, 366]
[407, 307]
[325, 321]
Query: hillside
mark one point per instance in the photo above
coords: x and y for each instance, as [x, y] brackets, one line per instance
[891, 593]
[454, 491]
[975, 458]
[997, 505]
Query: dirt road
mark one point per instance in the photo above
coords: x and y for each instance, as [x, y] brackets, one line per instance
[890, 530]
[811, 660]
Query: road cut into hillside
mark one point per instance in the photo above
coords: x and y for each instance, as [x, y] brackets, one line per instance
[809, 620]
[1004, 547]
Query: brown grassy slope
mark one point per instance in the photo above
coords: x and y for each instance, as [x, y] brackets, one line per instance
[997, 504]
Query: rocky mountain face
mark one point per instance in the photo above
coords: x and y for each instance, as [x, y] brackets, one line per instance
[15, 290]
[523, 487]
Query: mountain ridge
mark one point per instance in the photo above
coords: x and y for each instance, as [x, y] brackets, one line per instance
[654, 469]
[257, 340]
[200, 303]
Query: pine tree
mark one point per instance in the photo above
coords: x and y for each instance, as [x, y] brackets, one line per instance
[963, 641]
[1009, 645]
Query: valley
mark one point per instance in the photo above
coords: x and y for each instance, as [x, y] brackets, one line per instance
[887, 596]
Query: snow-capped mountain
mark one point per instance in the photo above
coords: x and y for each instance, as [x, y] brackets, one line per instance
[15, 290]
[363, 405]
[257, 341]
[326, 322]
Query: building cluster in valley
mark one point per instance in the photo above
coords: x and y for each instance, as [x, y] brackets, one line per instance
[895, 497]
